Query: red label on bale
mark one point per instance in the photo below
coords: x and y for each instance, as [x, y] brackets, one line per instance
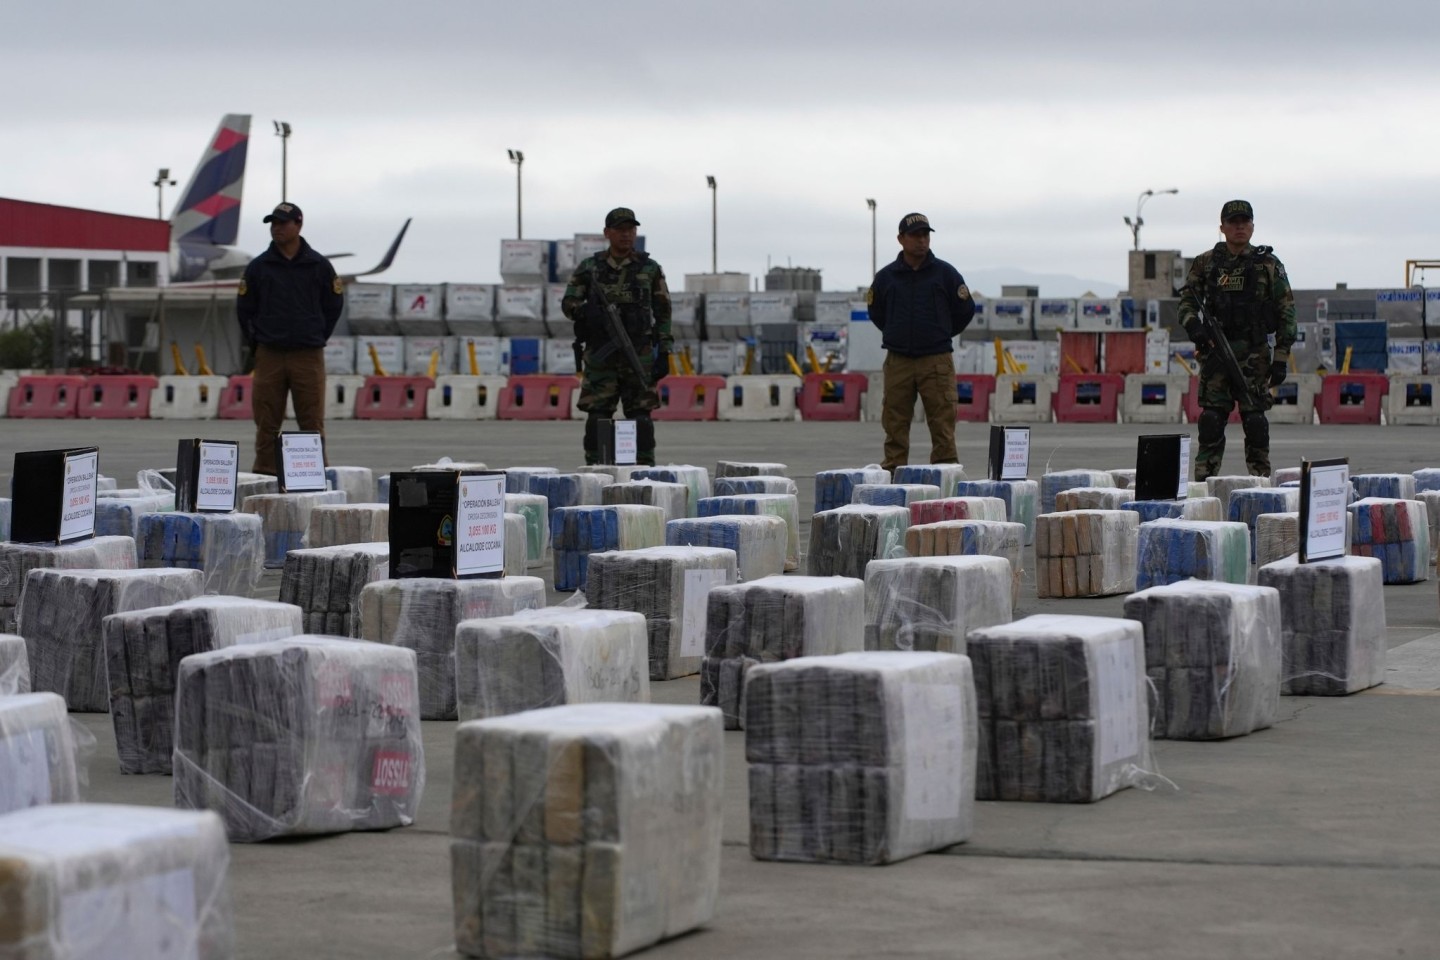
[391, 774]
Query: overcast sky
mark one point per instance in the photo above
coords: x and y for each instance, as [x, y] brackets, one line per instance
[1024, 130]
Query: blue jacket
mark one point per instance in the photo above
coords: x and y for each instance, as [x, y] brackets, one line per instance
[289, 304]
[919, 311]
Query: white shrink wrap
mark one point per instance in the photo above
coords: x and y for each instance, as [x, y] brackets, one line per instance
[759, 543]
[673, 498]
[743, 486]
[254, 485]
[37, 760]
[1091, 498]
[990, 538]
[536, 511]
[5, 508]
[1277, 535]
[337, 524]
[1285, 475]
[18, 559]
[1431, 499]
[285, 518]
[120, 516]
[325, 583]
[786, 506]
[1052, 483]
[894, 494]
[1221, 487]
[1123, 478]
[516, 560]
[844, 540]
[1085, 553]
[577, 532]
[836, 488]
[517, 479]
[358, 483]
[741, 468]
[1191, 508]
[618, 473]
[570, 489]
[1174, 550]
[1195, 489]
[14, 665]
[1245, 505]
[932, 603]
[696, 480]
[1395, 532]
[957, 508]
[1332, 616]
[1021, 498]
[227, 548]
[1392, 486]
[861, 758]
[946, 476]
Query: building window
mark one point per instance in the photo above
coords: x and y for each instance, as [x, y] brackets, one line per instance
[1149, 266]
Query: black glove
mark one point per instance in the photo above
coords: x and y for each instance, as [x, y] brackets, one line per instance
[1278, 372]
[579, 349]
[662, 365]
[1201, 339]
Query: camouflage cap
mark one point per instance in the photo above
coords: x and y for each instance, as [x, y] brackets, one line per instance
[619, 217]
[1237, 209]
[914, 223]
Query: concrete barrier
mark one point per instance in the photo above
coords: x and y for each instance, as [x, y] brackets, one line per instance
[1153, 398]
[340, 392]
[1024, 398]
[1305, 388]
[759, 398]
[186, 398]
[1413, 400]
[466, 397]
[7, 380]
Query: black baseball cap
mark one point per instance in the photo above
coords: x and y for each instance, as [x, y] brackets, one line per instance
[285, 211]
[1237, 210]
[914, 223]
[619, 217]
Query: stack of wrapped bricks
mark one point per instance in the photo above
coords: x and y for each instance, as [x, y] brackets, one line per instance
[357, 483]
[1277, 535]
[143, 650]
[421, 614]
[96, 880]
[1190, 508]
[844, 540]
[1123, 478]
[1332, 616]
[1052, 483]
[5, 509]
[61, 616]
[303, 735]
[1246, 506]
[746, 468]
[1431, 500]
[957, 508]
[253, 485]
[286, 517]
[585, 831]
[777, 618]
[570, 489]
[37, 757]
[536, 511]
[759, 543]
[325, 583]
[931, 603]
[786, 506]
[692, 478]
[1395, 532]
[742, 486]
[18, 559]
[942, 475]
[1063, 708]
[336, 524]
[1173, 550]
[1426, 478]
[550, 658]
[517, 479]
[1085, 553]
[1391, 486]
[862, 758]
[894, 494]
[1091, 498]
[669, 586]
[1020, 497]
[1284, 475]
[673, 498]
[120, 516]
[618, 473]
[990, 538]
[228, 548]
[14, 665]
[517, 545]
[577, 532]
[1221, 487]
[1212, 652]
[835, 488]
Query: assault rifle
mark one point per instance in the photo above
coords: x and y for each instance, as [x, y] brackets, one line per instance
[617, 329]
[1226, 356]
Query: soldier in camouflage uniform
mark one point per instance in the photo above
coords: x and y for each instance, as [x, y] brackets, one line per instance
[635, 284]
[1245, 291]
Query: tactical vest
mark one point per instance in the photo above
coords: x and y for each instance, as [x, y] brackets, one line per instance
[1232, 297]
[631, 298]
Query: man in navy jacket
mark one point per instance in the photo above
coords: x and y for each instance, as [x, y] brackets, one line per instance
[920, 303]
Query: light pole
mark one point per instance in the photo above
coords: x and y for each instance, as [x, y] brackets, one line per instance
[517, 158]
[282, 130]
[871, 205]
[714, 231]
[1139, 204]
[162, 180]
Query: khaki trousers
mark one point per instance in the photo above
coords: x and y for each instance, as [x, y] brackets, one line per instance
[301, 374]
[932, 379]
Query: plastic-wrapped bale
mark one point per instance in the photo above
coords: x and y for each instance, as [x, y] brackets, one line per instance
[1085, 553]
[120, 516]
[1173, 550]
[570, 489]
[37, 759]
[358, 483]
[421, 614]
[335, 524]
[617, 472]
[1426, 478]
[14, 665]
[61, 616]
[550, 657]
[18, 559]
[302, 735]
[931, 603]
[143, 650]
[1392, 486]
[777, 618]
[227, 548]
[454, 466]
[844, 540]
[1395, 532]
[1277, 536]
[741, 468]
[836, 488]
[1332, 624]
[286, 517]
[942, 475]
[957, 508]
[743, 486]
[577, 532]
[536, 511]
[1191, 508]
[1021, 498]
[990, 538]
[103, 482]
[253, 485]
[1285, 475]
[893, 494]
[382, 488]
[673, 498]
[585, 831]
[140, 493]
[1196, 489]
[861, 758]
[516, 560]
[1221, 487]
[1124, 478]
[759, 543]
[1091, 498]
[100, 880]
[1063, 707]
[517, 479]
[696, 480]
[669, 586]
[786, 506]
[1244, 506]
[4, 518]
[325, 583]
[1052, 483]
[1431, 499]
[1212, 653]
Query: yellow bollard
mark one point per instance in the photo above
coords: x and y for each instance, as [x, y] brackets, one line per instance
[375, 359]
[180, 370]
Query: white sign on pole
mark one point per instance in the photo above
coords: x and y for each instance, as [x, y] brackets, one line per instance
[1324, 496]
[302, 462]
[1017, 454]
[480, 526]
[1184, 490]
[219, 465]
[77, 503]
[626, 449]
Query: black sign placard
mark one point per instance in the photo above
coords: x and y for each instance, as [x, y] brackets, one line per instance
[425, 508]
[206, 476]
[1009, 453]
[54, 495]
[1324, 503]
[1160, 466]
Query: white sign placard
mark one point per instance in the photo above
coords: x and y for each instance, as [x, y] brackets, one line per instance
[692, 623]
[77, 503]
[625, 444]
[1184, 490]
[302, 462]
[480, 526]
[1016, 465]
[219, 465]
[1324, 496]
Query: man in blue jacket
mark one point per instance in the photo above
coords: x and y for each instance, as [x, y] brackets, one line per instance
[289, 302]
[920, 303]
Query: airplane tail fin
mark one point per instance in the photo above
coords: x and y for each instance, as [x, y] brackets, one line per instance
[209, 208]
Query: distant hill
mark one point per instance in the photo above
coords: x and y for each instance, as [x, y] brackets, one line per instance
[988, 281]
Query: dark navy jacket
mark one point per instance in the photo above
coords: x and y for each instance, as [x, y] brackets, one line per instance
[289, 304]
[919, 311]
